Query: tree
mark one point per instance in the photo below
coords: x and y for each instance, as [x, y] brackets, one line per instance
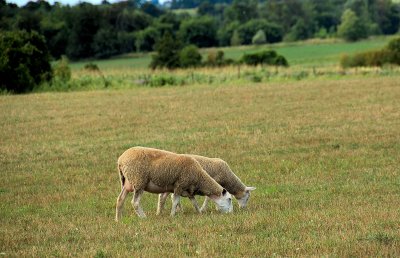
[259, 38]
[105, 43]
[298, 32]
[190, 56]
[272, 31]
[167, 53]
[84, 25]
[24, 61]
[236, 40]
[268, 57]
[199, 31]
[241, 10]
[351, 27]
[146, 39]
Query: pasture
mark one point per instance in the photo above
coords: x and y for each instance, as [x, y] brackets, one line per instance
[323, 154]
[312, 53]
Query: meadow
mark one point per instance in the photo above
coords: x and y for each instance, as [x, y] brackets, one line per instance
[311, 53]
[323, 155]
[322, 148]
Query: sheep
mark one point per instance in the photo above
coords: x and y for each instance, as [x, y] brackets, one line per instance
[221, 172]
[157, 171]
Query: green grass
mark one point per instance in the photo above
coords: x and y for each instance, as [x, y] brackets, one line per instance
[323, 154]
[305, 54]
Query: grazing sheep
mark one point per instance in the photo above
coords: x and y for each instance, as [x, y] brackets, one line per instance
[221, 172]
[157, 171]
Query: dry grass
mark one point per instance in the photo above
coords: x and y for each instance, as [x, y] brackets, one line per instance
[324, 156]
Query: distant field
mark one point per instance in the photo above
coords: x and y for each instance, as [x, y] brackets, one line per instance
[323, 154]
[305, 54]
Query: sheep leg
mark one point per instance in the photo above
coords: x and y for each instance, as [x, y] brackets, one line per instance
[136, 203]
[204, 207]
[175, 202]
[195, 204]
[120, 204]
[161, 202]
[179, 206]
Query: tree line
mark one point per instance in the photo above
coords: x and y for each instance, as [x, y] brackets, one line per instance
[100, 31]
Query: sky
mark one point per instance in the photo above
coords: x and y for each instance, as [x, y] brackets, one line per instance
[65, 2]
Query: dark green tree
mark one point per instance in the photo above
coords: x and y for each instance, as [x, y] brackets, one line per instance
[352, 28]
[190, 56]
[272, 31]
[85, 23]
[105, 43]
[167, 53]
[200, 31]
[24, 61]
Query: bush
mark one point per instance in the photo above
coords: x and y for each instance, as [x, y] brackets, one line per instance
[259, 38]
[189, 56]
[24, 61]
[370, 58]
[268, 57]
[352, 28]
[167, 55]
[216, 58]
[61, 70]
[394, 48]
[389, 55]
[91, 67]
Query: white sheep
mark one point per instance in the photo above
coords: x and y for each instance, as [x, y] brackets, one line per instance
[221, 172]
[157, 171]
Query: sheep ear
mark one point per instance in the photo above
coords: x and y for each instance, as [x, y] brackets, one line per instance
[224, 191]
[250, 188]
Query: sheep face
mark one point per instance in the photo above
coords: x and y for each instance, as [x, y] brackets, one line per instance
[224, 202]
[243, 200]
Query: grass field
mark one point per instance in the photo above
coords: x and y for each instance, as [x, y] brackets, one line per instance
[323, 154]
[305, 54]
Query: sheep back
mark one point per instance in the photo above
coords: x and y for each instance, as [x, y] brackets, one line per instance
[222, 173]
[141, 165]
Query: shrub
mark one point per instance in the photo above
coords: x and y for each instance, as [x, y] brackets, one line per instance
[189, 56]
[236, 40]
[370, 58]
[352, 28]
[216, 58]
[61, 70]
[268, 57]
[91, 67]
[389, 55]
[394, 48]
[259, 38]
[24, 61]
[167, 55]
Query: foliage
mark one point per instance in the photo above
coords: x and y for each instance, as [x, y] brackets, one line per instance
[61, 70]
[85, 30]
[91, 67]
[236, 40]
[259, 38]
[24, 61]
[199, 31]
[299, 31]
[247, 31]
[216, 58]
[167, 53]
[146, 39]
[190, 56]
[394, 48]
[268, 57]
[105, 43]
[352, 28]
[389, 55]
